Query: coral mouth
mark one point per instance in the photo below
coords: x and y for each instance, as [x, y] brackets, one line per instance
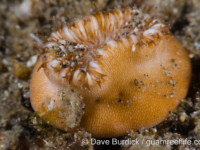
[74, 52]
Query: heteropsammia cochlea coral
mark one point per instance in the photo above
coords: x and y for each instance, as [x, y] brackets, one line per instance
[128, 68]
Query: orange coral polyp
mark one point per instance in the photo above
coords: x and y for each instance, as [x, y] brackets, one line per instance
[128, 68]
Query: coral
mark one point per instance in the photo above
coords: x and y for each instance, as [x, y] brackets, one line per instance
[17, 37]
[108, 58]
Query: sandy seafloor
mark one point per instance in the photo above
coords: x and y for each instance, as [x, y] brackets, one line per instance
[21, 21]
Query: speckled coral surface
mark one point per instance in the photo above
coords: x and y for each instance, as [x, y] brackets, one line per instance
[21, 129]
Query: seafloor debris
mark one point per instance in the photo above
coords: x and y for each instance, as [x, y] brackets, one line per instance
[22, 72]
